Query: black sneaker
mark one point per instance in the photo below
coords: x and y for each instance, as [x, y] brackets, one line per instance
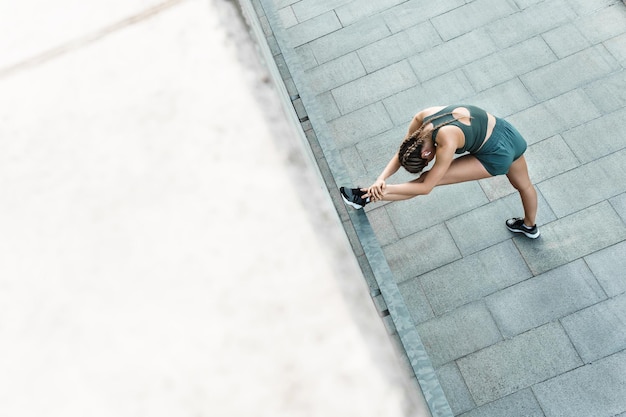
[517, 225]
[353, 197]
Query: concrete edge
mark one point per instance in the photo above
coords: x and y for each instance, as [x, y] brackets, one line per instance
[410, 341]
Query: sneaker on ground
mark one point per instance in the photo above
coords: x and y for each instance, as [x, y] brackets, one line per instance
[517, 225]
[353, 197]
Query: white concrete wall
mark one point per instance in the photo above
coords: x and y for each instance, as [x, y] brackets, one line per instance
[157, 254]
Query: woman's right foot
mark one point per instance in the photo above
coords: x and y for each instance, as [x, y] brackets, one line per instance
[516, 225]
[353, 197]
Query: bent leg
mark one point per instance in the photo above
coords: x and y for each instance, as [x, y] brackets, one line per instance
[518, 177]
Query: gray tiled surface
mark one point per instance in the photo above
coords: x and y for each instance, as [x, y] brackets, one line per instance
[511, 326]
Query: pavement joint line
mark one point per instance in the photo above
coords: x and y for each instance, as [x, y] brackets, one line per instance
[86, 40]
[410, 341]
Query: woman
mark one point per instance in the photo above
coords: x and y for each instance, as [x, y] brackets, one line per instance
[494, 147]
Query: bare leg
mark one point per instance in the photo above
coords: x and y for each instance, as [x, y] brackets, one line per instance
[518, 176]
[464, 168]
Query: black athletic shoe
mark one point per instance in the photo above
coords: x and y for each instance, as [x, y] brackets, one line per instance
[353, 197]
[517, 225]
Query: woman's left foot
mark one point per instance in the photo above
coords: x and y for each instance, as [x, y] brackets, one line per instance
[516, 225]
[354, 197]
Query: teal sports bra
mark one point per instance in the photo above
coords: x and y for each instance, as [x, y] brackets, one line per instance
[474, 133]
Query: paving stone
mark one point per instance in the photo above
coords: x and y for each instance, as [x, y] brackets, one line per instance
[378, 150]
[596, 179]
[381, 223]
[547, 297]
[366, 122]
[291, 88]
[299, 108]
[354, 166]
[509, 63]
[354, 11]
[287, 17]
[484, 226]
[312, 29]
[399, 46]
[532, 21]
[385, 52]
[524, 4]
[519, 404]
[412, 12]
[537, 123]
[452, 87]
[574, 108]
[609, 93]
[308, 9]
[617, 49]
[597, 390]
[327, 106]
[314, 143]
[608, 131]
[284, 3]
[572, 237]
[452, 54]
[518, 363]
[489, 71]
[416, 301]
[473, 277]
[603, 24]
[470, 16]
[335, 73]
[374, 87]
[421, 252]
[306, 57]
[550, 157]
[443, 203]
[265, 25]
[599, 330]
[507, 98]
[403, 105]
[283, 69]
[454, 387]
[499, 186]
[273, 45]
[609, 267]
[570, 72]
[619, 204]
[586, 7]
[566, 40]
[458, 333]
[349, 39]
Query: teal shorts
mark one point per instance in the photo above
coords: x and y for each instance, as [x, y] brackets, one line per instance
[504, 146]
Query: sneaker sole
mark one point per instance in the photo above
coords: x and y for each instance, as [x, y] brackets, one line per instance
[350, 203]
[529, 235]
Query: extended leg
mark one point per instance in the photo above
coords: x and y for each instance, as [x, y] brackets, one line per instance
[462, 169]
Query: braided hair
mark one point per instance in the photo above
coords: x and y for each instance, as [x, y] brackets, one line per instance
[410, 152]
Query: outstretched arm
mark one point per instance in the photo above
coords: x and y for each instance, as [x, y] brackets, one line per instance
[447, 145]
[376, 190]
